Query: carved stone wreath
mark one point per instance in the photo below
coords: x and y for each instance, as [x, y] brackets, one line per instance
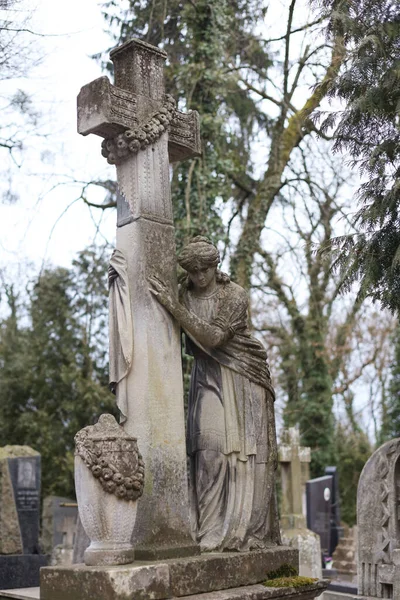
[133, 140]
[113, 458]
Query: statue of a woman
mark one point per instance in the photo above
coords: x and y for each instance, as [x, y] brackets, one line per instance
[231, 437]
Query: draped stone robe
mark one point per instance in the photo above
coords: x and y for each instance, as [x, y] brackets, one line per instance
[231, 436]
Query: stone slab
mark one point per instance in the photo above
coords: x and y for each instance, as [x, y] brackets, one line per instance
[329, 595]
[260, 592]
[32, 593]
[164, 579]
[21, 570]
[344, 587]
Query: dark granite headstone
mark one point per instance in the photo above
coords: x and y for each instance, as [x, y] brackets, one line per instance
[25, 479]
[21, 478]
[319, 508]
[336, 529]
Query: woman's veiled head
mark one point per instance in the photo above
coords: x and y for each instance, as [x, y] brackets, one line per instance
[198, 254]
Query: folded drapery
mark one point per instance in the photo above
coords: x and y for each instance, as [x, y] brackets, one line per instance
[121, 329]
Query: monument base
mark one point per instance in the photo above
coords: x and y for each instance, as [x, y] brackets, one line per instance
[180, 577]
[21, 570]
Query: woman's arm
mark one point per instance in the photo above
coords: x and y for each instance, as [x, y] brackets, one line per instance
[207, 334]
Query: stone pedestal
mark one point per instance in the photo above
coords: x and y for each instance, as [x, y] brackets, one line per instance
[202, 576]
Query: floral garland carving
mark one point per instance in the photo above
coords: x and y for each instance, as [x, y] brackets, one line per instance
[111, 479]
[138, 138]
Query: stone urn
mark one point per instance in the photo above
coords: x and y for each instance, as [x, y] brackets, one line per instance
[109, 479]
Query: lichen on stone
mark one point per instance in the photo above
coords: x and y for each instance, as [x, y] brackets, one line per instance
[293, 582]
[17, 452]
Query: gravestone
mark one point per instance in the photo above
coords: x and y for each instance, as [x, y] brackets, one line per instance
[378, 514]
[293, 458]
[20, 558]
[319, 509]
[59, 518]
[336, 529]
[143, 132]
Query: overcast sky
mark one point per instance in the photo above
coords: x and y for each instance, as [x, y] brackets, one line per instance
[28, 228]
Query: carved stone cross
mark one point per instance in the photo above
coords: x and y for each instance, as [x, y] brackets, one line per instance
[143, 133]
[294, 460]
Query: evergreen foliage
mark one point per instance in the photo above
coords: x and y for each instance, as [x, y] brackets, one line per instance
[368, 129]
[53, 365]
[391, 415]
[353, 449]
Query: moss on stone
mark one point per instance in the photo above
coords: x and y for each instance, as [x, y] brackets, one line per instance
[294, 581]
[285, 570]
[17, 452]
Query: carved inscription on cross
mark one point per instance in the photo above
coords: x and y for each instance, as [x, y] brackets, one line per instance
[138, 94]
[143, 133]
[294, 460]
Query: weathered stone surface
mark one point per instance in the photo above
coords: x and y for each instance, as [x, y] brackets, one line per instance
[308, 544]
[253, 592]
[231, 438]
[149, 391]
[109, 474]
[211, 572]
[164, 579]
[110, 110]
[111, 583]
[378, 499]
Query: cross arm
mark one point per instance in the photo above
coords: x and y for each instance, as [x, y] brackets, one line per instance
[107, 110]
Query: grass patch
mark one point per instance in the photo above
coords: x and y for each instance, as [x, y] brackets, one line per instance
[295, 581]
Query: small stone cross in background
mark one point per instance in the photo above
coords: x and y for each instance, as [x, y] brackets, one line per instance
[295, 471]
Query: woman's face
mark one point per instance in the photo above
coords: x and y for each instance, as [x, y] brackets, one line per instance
[201, 276]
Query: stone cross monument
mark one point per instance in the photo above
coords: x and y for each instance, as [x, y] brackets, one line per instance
[293, 458]
[143, 133]
[294, 461]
